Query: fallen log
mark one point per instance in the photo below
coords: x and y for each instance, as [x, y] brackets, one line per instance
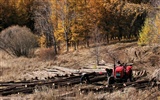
[29, 86]
[15, 87]
[7, 89]
[66, 70]
[98, 78]
[18, 90]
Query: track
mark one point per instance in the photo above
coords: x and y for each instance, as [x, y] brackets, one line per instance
[29, 86]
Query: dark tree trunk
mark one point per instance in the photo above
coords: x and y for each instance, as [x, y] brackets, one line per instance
[120, 33]
[67, 41]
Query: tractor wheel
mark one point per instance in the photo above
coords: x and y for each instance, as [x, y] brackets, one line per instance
[110, 80]
[131, 76]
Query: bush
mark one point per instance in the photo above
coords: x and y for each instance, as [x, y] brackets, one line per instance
[18, 41]
[144, 33]
[47, 54]
[150, 33]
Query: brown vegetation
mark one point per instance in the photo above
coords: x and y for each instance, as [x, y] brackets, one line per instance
[46, 54]
[95, 29]
[75, 23]
[18, 41]
[83, 58]
[145, 57]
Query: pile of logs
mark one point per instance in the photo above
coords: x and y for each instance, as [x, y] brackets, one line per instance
[7, 88]
[29, 86]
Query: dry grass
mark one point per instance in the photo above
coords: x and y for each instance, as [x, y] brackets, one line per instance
[129, 52]
[127, 94]
[47, 54]
[134, 94]
[12, 68]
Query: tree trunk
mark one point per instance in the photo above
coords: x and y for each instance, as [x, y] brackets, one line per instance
[54, 44]
[67, 44]
[120, 33]
[87, 43]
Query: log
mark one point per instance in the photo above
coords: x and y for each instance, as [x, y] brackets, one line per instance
[29, 86]
[7, 89]
[66, 70]
[91, 70]
[39, 82]
[98, 78]
[18, 90]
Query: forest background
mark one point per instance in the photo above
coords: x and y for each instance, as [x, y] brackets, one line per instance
[71, 24]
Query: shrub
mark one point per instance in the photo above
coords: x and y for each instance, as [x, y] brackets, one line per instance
[18, 41]
[144, 33]
[47, 54]
[150, 33]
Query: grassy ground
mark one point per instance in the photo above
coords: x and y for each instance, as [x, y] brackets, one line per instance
[52, 94]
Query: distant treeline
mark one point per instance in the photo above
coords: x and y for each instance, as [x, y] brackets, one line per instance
[77, 22]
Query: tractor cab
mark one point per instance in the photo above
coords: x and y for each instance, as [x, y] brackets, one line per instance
[119, 72]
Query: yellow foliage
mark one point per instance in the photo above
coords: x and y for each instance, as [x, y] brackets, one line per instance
[77, 32]
[59, 34]
[74, 37]
[144, 34]
[150, 32]
[158, 23]
[156, 29]
[42, 41]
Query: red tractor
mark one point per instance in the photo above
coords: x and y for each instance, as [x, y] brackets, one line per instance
[120, 73]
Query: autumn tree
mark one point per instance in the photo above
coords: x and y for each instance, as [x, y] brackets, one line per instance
[42, 13]
[150, 33]
[15, 12]
[80, 25]
[64, 18]
[124, 20]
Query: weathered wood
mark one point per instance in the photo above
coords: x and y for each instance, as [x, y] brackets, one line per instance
[8, 88]
[91, 70]
[65, 70]
[98, 78]
[29, 86]
[18, 90]
[59, 82]
[40, 82]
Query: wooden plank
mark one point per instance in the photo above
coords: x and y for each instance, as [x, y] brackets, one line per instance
[91, 70]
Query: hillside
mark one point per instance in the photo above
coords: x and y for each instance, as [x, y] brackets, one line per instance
[146, 57]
